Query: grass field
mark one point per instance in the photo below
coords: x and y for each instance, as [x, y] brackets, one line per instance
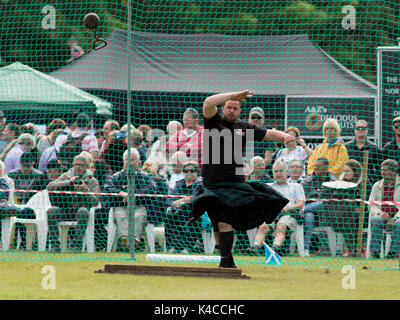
[22, 275]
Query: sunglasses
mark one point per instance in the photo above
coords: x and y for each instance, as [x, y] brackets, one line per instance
[396, 126]
[361, 128]
[255, 117]
[189, 170]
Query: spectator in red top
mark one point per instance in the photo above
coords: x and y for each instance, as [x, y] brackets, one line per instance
[188, 140]
[385, 216]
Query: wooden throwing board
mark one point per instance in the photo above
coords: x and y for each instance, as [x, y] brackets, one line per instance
[173, 271]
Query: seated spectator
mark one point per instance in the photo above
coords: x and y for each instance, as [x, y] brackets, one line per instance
[137, 143]
[10, 133]
[384, 216]
[188, 140]
[293, 151]
[391, 149]
[332, 149]
[290, 215]
[313, 189]
[177, 160]
[24, 177]
[296, 171]
[144, 211]
[12, 154]
[258, 172]
[71, 206]
[179, 237]
[53, 172]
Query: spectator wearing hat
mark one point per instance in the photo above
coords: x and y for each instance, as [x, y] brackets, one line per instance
[391, 150]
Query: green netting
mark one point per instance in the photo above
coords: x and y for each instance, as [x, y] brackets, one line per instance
[74, 110]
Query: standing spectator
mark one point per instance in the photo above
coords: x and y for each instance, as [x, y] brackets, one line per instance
[256, 117]
[24, 144]
[157, 152]
[73, 207]
[289, 217]
[385, 216]
[177, 160]
[332, 149]
[391, 150]
[188, 140]
[108, 127]
[3, 121]
[360, 144]
[137, 143]
[10, 133]
[55, 127]
[116, 144]
[313, 189]
[88, 142]
[144, 211]
[293, 151]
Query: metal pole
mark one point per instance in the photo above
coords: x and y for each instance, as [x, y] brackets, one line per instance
[131, 169]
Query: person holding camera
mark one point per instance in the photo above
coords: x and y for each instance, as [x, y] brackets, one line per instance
[70, 206]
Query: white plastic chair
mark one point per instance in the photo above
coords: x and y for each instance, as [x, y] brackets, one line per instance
[88, 240]
[297, 238]
[331, 238]
[40, 203]
[385, 248]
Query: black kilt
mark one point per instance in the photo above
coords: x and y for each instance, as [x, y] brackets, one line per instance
[246, 205]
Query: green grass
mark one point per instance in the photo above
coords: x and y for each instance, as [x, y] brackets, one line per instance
[314, 278]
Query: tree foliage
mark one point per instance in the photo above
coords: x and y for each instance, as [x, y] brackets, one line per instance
[23, 37]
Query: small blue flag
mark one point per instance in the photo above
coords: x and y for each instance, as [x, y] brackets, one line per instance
[271, 257]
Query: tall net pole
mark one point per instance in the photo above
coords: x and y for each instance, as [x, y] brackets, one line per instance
[131, 168]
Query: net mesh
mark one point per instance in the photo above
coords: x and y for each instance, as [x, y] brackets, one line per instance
[324, 71]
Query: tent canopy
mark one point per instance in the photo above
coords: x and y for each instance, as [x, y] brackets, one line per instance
[211, 63]
[24, 87]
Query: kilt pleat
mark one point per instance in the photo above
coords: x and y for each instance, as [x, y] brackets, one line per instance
[249, 203]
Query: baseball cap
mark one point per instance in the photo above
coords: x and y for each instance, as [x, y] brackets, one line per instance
[257, 110]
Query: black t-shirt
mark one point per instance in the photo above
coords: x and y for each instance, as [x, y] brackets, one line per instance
[224, 146]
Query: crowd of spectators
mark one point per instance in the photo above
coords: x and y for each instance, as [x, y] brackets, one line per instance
[71, 156]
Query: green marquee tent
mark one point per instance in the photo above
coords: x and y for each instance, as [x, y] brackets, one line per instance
[24, 90]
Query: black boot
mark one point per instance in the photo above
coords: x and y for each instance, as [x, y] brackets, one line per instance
[225, 244]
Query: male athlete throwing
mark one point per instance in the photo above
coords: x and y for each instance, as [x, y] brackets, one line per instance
[229, 200]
